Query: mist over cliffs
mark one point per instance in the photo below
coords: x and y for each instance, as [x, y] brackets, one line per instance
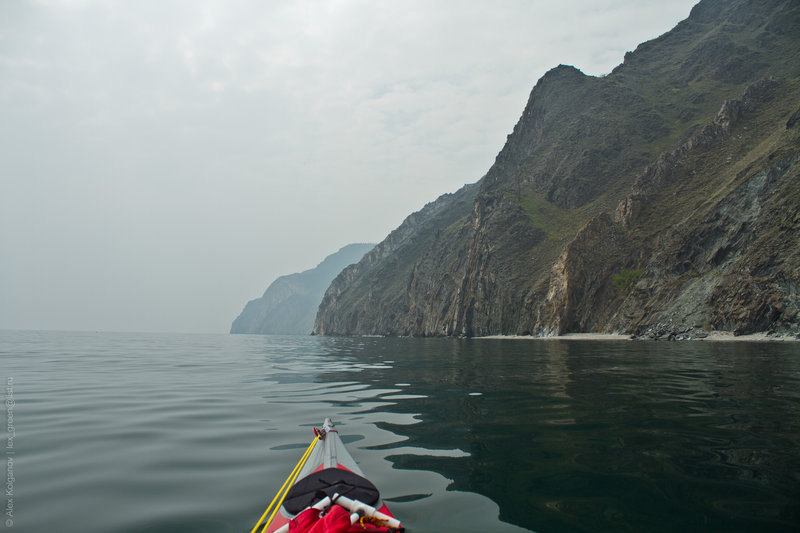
[659, 200]
[289, 304]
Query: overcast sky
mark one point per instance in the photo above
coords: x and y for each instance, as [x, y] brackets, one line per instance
[162, 162]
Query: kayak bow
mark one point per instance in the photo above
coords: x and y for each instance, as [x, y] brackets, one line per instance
[328, 493]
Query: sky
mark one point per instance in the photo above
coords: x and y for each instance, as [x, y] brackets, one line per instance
[163, 161]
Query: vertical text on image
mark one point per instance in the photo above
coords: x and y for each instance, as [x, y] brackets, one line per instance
[11, 434]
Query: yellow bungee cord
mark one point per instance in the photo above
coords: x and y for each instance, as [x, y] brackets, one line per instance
[284, 490]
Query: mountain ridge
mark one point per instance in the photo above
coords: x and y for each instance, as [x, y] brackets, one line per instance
[289, 305]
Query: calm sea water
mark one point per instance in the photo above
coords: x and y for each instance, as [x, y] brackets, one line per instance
[180, 433]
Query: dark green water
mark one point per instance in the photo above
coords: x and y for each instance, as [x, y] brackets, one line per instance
[157, 433]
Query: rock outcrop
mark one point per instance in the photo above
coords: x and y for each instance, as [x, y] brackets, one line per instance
[289, 304]
[660, 200]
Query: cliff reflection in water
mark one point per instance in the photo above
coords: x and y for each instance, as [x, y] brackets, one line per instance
[592, 436]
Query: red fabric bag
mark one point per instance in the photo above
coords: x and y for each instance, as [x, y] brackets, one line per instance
[336, 520]
[304, 521]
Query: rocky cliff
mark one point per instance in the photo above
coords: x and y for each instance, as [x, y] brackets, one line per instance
[724, 256]
[658, 200]
[289, 304]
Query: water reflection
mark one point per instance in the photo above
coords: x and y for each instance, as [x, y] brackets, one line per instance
[589, 436]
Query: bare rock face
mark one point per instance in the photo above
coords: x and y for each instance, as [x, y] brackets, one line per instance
[659, 200]
[728, 260]
[581, 296]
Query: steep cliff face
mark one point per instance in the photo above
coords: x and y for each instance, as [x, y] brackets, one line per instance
[707, 238]
[289, 304]
[536, 246]
[383, 293]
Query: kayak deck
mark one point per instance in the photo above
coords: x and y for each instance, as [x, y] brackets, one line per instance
[331, 494]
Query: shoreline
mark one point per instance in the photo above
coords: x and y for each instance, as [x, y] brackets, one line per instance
[714, 336]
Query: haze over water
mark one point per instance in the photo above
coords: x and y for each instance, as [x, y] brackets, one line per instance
[163, 432]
